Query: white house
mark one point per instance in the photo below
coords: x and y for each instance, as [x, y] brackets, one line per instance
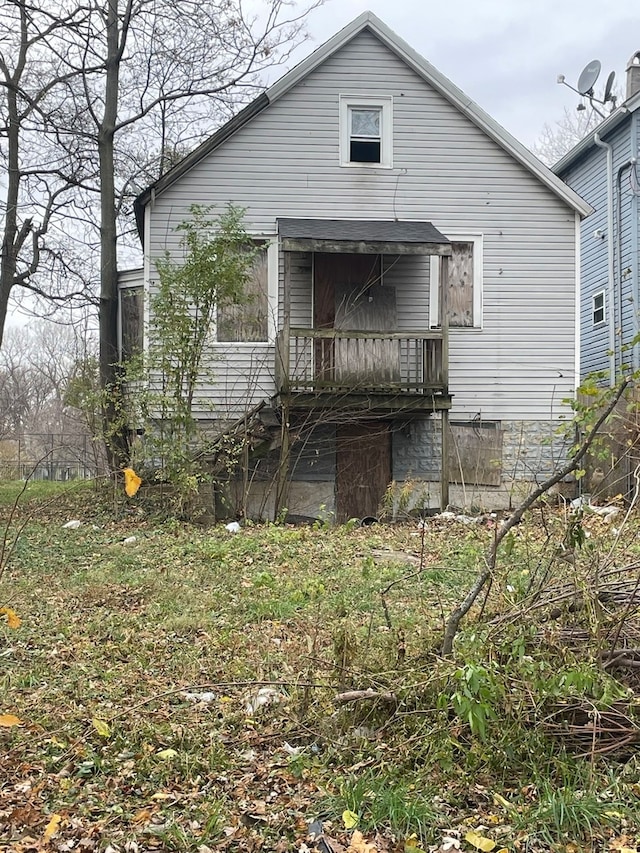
[418, 291]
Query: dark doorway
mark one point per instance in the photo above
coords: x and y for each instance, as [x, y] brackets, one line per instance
[363, 468]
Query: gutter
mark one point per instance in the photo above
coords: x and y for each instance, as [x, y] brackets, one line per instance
[619, 271]
[609, 124]
[610, 259]
[635, 260]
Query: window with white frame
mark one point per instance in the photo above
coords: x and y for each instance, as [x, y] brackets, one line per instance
[597, 308]
[464, 291]
[366, 133]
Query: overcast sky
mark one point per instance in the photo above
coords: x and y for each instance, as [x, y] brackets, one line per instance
[505, 54]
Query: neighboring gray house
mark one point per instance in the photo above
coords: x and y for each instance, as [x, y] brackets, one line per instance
[603, 169]
[418, 285]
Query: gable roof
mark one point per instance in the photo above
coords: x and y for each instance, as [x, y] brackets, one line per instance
[369, 21]
[588, 142]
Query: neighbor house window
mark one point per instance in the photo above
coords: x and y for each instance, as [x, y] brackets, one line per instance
[598, 308]
[464, 287]
[248, 320]
[365, 131]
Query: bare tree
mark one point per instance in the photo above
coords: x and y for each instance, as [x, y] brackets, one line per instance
[41, 169]
[148, 78]
[558, 138]
[37, 364]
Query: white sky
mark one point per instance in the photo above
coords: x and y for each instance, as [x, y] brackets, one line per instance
[505, 54]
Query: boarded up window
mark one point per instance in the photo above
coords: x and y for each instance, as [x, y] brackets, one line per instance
[475, 453]
[460, 291]
[131, 319]
[248, 320]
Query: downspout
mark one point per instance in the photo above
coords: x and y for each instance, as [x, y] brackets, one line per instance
[610, 259]
[635, 261]
[619, 270]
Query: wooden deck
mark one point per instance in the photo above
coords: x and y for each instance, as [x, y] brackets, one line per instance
[363, 370]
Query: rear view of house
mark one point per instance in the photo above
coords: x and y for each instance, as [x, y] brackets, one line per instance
[414, 312]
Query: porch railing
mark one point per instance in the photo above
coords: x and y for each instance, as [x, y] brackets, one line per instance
[405, 362]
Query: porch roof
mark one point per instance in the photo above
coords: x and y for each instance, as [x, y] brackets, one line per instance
[362, 236]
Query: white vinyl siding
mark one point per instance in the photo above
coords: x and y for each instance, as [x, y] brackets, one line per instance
[445, 170]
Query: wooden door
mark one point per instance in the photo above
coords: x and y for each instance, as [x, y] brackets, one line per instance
[363, 468]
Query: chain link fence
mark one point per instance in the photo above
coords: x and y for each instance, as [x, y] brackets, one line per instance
[51, 456]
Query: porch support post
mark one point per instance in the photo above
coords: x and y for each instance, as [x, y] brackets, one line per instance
[283, 336]
[444, 319]
[444, 469]
[444, 324]
[282, 480]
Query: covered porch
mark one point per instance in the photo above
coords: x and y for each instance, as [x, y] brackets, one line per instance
[371, 346]
[356, 343]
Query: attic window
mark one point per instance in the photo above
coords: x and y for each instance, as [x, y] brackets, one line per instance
[365, 131]
[364, 134]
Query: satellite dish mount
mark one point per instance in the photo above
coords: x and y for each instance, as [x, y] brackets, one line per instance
[586, 81]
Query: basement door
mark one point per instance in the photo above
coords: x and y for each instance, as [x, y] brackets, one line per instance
[349, 295]
[363, 468]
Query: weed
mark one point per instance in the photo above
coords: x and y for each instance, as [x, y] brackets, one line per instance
[380, 801]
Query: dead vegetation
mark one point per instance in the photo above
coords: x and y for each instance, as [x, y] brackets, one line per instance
[182, 688]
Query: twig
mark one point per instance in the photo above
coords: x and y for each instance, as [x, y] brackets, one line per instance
[7, 548]
[630, 603]
[383, 592]
[190, 688]
[458, 614]
[357, 695]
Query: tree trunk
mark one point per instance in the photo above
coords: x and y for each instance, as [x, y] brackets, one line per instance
[10, 236]
[110, 380]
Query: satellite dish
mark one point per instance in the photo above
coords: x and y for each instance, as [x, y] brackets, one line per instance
[588, 78]
[609, 86]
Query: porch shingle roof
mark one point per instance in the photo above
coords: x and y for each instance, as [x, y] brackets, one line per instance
[363, 235]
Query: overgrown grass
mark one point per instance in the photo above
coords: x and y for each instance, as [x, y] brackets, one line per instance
[38, 490]
[122, 632]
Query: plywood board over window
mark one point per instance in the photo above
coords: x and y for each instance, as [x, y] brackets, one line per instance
[247, 321]
[475, 453]
[460, 293]
[464, 289]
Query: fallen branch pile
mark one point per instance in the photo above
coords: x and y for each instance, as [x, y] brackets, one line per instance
[589, 732]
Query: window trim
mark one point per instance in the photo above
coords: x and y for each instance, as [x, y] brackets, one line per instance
[385, 104]
[598, 323]
[270, 242]
[478, 283]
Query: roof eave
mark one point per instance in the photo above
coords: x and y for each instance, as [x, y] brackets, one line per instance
[606, 127]
[427, 71]
[446, 88]
[221, 135]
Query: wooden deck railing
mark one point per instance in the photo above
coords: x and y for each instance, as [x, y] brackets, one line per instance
[405, 362]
